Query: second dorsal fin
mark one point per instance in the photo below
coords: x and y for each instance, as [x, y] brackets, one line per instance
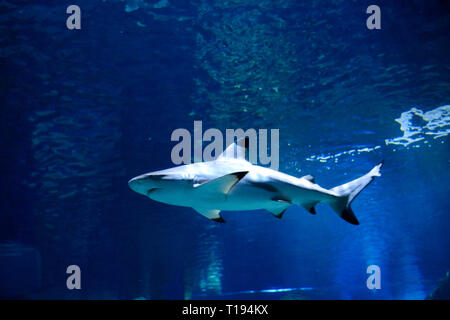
[309, 178]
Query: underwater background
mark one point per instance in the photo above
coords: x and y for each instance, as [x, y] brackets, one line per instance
[83, 111]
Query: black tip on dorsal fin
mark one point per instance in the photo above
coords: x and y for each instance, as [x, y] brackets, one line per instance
[220, 220]
[236, 150]
[244, 142]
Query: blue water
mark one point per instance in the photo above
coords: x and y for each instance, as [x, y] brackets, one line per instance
[83, 111]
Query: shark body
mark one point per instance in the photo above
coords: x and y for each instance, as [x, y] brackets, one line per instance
[234, 184]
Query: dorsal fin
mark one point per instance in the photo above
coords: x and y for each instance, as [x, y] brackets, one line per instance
[236, 150]
[309, 178]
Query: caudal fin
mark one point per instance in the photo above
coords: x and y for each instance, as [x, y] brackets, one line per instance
[347, 192]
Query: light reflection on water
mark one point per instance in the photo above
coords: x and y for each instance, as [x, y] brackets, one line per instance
[436, 124]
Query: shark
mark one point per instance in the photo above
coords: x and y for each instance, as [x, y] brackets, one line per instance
[231, 183]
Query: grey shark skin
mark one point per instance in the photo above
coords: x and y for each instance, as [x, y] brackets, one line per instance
[234, 184]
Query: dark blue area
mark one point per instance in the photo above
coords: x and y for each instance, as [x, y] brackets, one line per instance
[83, 111]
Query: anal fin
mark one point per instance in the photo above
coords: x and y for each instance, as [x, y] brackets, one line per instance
[310, 207]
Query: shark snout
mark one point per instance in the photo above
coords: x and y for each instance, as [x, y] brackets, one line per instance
[140, 184]
[145, 183]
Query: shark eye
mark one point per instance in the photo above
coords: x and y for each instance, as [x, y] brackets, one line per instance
[157, 176]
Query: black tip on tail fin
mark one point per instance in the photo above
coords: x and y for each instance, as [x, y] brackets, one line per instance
[347, 192]
[348, 215]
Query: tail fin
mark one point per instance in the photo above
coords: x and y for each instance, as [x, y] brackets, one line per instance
[348, 191]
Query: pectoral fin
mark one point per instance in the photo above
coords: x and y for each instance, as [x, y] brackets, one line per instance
[211, 214]
[222, 184]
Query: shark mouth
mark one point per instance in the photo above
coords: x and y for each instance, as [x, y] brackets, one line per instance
[151, 190]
